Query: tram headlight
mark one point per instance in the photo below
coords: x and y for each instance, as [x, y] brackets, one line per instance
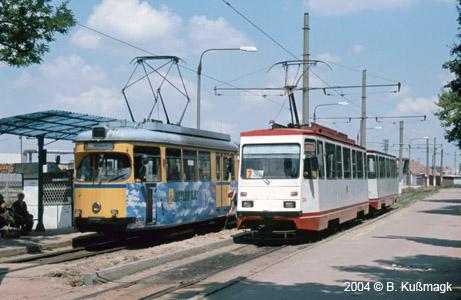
[247, 204]
[96, 207]
[78, 212]
[289, 204]
[114, 212]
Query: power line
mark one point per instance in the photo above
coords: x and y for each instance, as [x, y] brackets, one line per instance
[262, 31]
[115, 39]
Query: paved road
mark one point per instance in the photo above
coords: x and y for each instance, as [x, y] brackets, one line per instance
[418, 245]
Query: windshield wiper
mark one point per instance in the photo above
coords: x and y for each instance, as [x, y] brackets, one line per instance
[116, 177]
[259, 173]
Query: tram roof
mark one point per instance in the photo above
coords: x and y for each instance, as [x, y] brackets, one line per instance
[314, 129]
[371, 151]
[51, 124]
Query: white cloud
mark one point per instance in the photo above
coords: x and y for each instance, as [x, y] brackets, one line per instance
[134, 22]
[418, 106]
[444, 78]
[328, 57]
[340, 7]
[220, 126]
[358, 49]
[205, 33]
[95, 101]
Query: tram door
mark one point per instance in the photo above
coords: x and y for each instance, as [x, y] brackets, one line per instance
[222, 180]
[228, 175]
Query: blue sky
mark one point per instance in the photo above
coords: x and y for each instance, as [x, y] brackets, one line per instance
[403, 41]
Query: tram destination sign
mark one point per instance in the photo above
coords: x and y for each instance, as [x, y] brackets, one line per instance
[99, 146]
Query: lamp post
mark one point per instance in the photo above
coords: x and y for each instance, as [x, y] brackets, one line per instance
[199, 72]
[409, 153]
[337, 103]
[376, 127]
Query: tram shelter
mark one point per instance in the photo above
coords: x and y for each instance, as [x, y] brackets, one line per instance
[51, 124]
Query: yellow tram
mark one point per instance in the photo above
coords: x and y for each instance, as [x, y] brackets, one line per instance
[151, 175]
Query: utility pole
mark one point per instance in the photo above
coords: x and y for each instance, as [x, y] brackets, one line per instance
[363, 122]
[433, 166]
[454, 169]
[401, 153]
[305, 109]
[441, 166]
[427, 162]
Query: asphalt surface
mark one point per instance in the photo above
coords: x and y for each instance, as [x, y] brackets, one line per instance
[412, 253]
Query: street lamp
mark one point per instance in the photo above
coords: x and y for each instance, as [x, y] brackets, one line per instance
[376, 127]
[337, 103]
[199, 72]
[409, 153]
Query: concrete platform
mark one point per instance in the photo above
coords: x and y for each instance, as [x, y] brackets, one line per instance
[38, 241]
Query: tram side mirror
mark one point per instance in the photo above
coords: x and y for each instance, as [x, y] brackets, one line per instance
[58, 159]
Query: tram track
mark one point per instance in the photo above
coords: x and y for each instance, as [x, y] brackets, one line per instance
[185, 275]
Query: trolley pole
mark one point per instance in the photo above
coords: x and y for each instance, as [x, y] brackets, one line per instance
[363, 121]
[305, 117]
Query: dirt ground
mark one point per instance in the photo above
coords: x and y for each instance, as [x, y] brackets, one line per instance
[58, 280]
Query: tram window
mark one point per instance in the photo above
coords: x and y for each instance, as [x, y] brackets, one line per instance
[270, 161]
[147, 163]
[320, 156]
[347, 162]
[204, 166]
[218, 167]
[390, 173]
[311, 165]
[339, 167]
[104, 167]
[354, 164]
[190, 165]
[173, 164]
[394, 168]
[229, 168]
[372, 167]
[359, 164]
[382, 167]
[330, 161]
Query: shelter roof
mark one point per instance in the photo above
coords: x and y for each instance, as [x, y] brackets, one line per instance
[51, 124]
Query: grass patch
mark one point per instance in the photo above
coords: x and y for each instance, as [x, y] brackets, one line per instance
[410, 195]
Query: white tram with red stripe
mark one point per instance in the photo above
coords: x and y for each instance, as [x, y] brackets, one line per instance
[306, 178]
[383, 188]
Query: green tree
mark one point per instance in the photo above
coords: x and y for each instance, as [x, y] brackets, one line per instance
[28, 26]
[450, 100]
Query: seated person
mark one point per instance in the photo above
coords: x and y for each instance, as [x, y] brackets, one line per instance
[6, 217]
[22, 217]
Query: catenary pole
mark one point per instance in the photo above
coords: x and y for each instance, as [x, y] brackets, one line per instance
[305, 109]
[363, 122]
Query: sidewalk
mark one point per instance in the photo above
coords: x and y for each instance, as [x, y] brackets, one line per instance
[38, 241]
[400, 256]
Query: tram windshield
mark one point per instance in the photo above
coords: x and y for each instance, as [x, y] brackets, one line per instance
[104, 167]
[271, 161]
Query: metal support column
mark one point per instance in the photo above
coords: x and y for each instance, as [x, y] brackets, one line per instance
[40, 227]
